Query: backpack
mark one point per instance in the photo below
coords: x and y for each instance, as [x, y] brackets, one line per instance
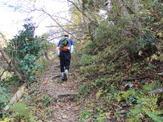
[64, 44]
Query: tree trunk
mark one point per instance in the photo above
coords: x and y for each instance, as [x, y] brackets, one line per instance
[46, 56]
[9, 62]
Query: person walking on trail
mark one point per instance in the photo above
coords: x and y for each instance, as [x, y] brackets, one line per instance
[65, 48]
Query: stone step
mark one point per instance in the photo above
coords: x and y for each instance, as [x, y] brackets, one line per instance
[66, 96]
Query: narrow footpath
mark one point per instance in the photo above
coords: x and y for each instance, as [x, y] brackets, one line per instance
[64, 94]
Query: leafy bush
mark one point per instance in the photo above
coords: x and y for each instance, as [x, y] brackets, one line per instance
[84, 90]
[147, 106]
[4, 99]
[147, 88]
[11, 80]
[128, 96]
[84, 114]
[26, 50]
[87, 59]
[46, 99]
[22, 112]
[4, 96]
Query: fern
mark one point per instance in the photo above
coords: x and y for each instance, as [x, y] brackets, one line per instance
[128, 93]
[155, 117]
[147, 106]
[4, 97]
[118, 97]
[84, 114]
[84, 90]
[125, 95]
[22, 112]
[149, 102]
[134, 119]
[147, 88]
[136, 110]
[46, 99]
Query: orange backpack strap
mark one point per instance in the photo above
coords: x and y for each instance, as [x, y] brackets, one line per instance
[65, 48]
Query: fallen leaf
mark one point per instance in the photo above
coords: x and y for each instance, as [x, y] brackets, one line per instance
[64, 116]
[76, 108]
[98, 94]
[91, 104]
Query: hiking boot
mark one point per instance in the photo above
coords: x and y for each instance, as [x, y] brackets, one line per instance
[61, 79]
[65, 76]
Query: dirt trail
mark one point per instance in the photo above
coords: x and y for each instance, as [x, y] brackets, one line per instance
[64, 105]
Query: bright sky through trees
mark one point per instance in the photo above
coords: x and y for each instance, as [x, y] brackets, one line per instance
[12, 17]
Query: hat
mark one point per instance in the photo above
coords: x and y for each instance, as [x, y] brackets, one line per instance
[65, 35]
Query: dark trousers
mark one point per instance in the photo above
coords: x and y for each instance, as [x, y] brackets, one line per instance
[65, 58]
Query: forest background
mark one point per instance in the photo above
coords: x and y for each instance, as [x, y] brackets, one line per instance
[118, 58]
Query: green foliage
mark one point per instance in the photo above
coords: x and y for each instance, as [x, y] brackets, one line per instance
[159, 58]
[42, 69]
[88, 65]
[84, 90]
[147, 106]
[147, 88]
[146, 100]
[4, 99]
[102, 117]
[22, 112]
[146, 42]
[135, 67]
[46, 99]
[128, 96]
[84, 114]
[89, 70]
[115, 44]
[32, 102]
[103, 33]
[98, 94]
[123, 38]
[101, 112]
[155, 117]
[87, 59]
[150, 66]
[92, 4]
[10, 81]
[101, 82]
[26, 50]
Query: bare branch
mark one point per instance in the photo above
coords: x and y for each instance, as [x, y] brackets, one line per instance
[3, 73]
[65, 19]
[3, 37]
[58, 23]
[9, 62]
[79, 9]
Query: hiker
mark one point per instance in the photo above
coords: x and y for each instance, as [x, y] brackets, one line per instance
[65, 48]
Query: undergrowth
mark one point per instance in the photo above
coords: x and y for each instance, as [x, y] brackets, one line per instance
[118, 90]
[32, 107]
